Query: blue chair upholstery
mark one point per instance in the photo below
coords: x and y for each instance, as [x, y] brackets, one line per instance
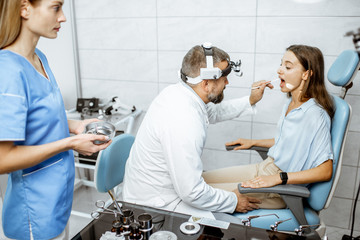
[344, 68]
[305, 211]
[110, 164]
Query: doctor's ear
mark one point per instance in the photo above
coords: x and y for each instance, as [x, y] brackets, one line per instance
[25, 9]
[205, 85]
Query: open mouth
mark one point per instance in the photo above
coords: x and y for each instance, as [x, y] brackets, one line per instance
[282, 82]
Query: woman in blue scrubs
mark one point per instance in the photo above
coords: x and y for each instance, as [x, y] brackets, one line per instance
[35, 142]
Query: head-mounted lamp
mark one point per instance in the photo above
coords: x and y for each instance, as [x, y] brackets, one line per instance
[210, 72]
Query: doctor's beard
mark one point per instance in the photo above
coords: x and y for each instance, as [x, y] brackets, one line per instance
[216, 98]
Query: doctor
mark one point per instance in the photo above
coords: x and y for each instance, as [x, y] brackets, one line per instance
[164, 169]
[35, 145]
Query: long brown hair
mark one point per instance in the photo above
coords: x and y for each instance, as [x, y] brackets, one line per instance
[10, 21]
[311, 58]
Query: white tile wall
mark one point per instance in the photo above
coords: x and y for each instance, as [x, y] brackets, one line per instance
[115, 9]
[274, 34]
[117, 33]
[206, 8]
[133, 49]
[115, 65]
[301, 8]
[182, 33]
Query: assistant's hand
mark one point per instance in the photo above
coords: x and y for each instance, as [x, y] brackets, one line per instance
[245, 203]
[245, 143]
[257, 93]
[78, 127]
[84, 143]
[263, 181]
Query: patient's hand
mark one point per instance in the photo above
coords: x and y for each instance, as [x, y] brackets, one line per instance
[245, 143]
[262, 181]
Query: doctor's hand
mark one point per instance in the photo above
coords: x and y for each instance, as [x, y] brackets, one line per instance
[245, 143]
[84, 143]
[257, 91]
[78, 127]
[245, 203]
[263, 181]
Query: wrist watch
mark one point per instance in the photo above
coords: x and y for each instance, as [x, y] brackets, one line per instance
[284, 177]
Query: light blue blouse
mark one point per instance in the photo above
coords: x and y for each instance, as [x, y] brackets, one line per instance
[303, 139]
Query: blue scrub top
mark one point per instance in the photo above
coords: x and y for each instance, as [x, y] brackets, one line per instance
[32, 113]
[303, 139]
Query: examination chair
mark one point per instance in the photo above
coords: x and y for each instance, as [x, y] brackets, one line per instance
[304, 204]
[110, 165]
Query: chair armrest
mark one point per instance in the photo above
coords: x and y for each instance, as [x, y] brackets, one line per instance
[261, 150]
[291, 194]
[293, 190]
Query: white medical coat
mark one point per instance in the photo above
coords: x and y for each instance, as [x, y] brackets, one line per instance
[164, 169]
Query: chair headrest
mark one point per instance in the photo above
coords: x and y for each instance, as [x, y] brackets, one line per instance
[344, 68]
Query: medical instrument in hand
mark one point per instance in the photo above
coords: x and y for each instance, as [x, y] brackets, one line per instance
[211, 72]
[247, 221]
[273, 81]
[101, 128]
[102, 209]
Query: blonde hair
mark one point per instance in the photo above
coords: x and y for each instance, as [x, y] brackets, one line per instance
[10, 21]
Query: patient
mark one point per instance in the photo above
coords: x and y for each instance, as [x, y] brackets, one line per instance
[301, 152]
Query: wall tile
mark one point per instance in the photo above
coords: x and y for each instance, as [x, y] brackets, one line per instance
[115, 65]
[354, 102]
[270, 107]
[183, 33]
[255, 158]
[274, 34]
[131, 93]
[357, 213]
[355, 90]
[263, 130]
[234, 92]
[352, 149]
[206, 8]
[247, 67]
[346, 184]
[222, 132]
[266, 67]
[115, 9]
[214, 159]
[303, 8]
[169, 65]
[338, 213]
[123, 34]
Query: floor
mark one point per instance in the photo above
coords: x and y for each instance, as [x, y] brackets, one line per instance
[85, 198]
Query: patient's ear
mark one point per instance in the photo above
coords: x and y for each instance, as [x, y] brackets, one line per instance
[25, 9]
[306, 75]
